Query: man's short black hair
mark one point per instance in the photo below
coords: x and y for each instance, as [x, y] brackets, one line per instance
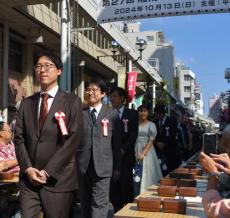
[160, 109]
[1, 125]
[121, 92]
[98, 82]
[52, 57]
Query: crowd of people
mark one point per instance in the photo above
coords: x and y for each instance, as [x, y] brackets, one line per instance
[61, 145]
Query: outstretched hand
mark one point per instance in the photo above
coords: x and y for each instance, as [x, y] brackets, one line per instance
[222, 162]
[208, 164]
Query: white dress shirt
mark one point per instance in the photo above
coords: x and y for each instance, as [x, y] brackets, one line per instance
[120, 111]
[52, 93]
[97, 108]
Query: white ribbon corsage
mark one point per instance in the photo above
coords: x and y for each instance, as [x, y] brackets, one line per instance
[167, 131]
[105, 123]
[60, 117]
[125, 122]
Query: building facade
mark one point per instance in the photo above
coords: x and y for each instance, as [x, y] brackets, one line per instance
[198, 100]
[186, 85]
[216, 105]
[29, 27]
[158, 53]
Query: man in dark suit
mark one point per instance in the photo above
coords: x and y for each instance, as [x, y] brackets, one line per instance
[46, 136]
[122, 190]
[166, 139]
[98, 155]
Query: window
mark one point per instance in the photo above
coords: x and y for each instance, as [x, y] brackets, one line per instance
[197, 96]
[198, 107]
[154, 62]
[150, 38]
[186, 77]
[55, 7]
[187, 89]
[15, 56]
[187, 101]
[160, 37]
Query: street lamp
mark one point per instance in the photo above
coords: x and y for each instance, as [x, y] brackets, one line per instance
[114, 47]
[141, 44]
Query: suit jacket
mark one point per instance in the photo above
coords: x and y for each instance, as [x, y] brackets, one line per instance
[105, 149]
[129, 137]
[167, 134]
[48, 149]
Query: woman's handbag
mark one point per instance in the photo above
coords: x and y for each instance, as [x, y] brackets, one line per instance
[137, 174]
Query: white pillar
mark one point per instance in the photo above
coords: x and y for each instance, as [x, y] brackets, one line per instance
[154, 93]
[130, 66]
[65, 46]
[80, 81]
[5, 71]
[69, 48]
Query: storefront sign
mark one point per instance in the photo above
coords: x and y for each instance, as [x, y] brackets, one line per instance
[131, 85]
[116, 10]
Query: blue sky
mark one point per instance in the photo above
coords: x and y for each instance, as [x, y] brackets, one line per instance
[202, 42]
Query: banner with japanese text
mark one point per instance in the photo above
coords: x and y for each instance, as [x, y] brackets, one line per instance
[116, 10]
[131, 85]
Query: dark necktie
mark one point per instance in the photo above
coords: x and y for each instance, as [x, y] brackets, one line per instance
[160, 123]
[93, 116]
[43, 110]
[119, 113]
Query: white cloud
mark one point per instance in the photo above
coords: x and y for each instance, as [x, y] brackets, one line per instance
[192, 60]
[187, 61]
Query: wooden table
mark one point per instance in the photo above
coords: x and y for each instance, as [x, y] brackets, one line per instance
[15, 179]
[131, 211]
[8, 196]
[8, 186]
[194, 207]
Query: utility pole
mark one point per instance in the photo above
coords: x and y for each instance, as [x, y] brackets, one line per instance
[5, 71]
[65, 82]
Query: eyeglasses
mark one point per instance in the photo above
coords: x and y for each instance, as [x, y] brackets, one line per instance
[92, 90]
[7, 130]
[46, 67]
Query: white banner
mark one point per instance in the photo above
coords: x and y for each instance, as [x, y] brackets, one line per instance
[116, 10]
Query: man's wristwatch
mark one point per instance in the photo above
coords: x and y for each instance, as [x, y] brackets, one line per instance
[214, 174]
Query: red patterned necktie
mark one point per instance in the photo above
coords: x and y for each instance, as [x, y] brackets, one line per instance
[43, 110]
